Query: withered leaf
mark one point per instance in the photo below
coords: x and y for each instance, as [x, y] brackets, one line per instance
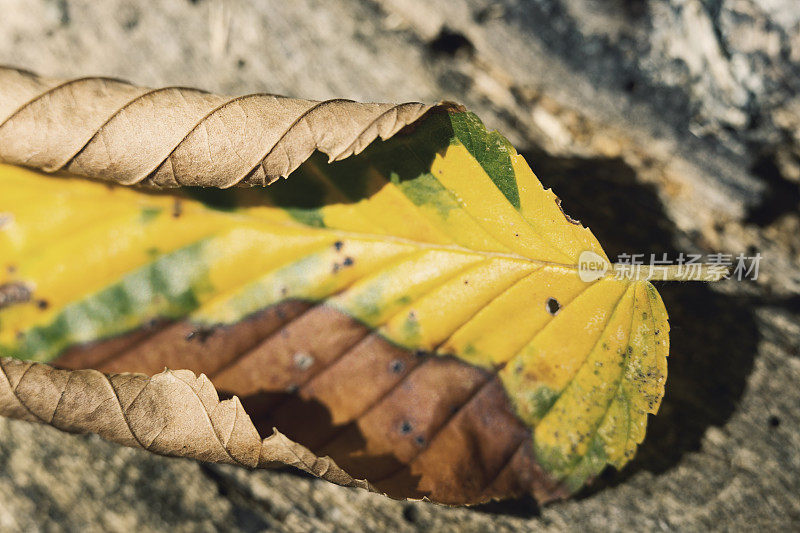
[172, 413]
[413, 312]
[110, 130]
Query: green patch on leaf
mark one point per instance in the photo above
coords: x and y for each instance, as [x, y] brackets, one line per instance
[589, 466]
[149, 214]
[491, 150]
[540, 400]
[426, 190]
[167, 288]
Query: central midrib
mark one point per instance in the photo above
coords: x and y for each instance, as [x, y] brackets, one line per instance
[423, 245]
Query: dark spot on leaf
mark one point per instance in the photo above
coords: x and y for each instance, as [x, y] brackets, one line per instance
[397, 366]
[552, 306]
[420, 353]
[419, 440]
[466, 282]
[348, 261]
[201, 334]
[406, 427]
[241, 63]
[42, 304]
[338, 245]
[774, 421]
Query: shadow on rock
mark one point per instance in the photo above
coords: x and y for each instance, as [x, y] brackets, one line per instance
[311, 425]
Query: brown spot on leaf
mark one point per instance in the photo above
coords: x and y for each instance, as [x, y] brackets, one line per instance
[14, 293]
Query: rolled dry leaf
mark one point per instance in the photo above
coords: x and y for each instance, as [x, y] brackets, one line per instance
[111, 130]
[174, 413]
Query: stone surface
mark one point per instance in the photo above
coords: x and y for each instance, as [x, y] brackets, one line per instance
[664, 125]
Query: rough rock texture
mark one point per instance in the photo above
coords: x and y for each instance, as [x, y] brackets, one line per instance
[665, 125]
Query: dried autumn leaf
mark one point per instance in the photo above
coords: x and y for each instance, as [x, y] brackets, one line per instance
[414, 312]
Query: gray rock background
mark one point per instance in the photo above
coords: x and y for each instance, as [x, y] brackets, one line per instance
[664, 125]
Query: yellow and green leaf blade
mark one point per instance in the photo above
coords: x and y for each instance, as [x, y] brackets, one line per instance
[441, 241]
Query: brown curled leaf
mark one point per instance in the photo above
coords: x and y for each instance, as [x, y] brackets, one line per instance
[173, 136]
[173, 413]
